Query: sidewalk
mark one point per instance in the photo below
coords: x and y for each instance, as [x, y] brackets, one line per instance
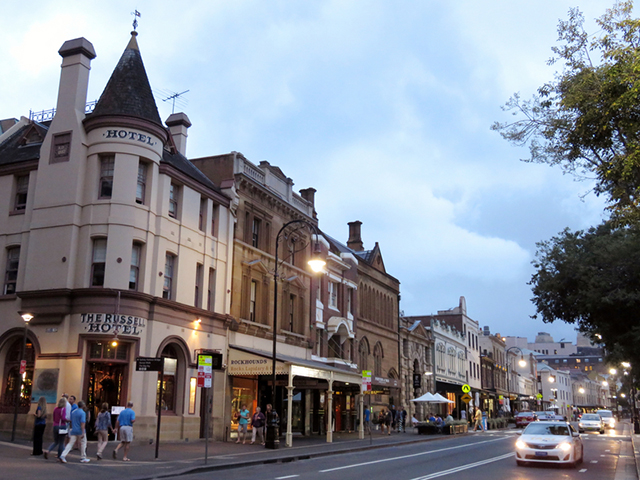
[189, 457]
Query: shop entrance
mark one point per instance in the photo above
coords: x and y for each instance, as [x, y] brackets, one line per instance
[107, 370]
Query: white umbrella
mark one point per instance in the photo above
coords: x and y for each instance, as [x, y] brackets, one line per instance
[440, 399]
[427, 397]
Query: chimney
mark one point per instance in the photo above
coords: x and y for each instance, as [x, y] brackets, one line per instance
[355, 240]
[74, 77]
[309, 194]
[178, 124]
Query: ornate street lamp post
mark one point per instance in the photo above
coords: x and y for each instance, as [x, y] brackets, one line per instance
[27, 318]
[317, 264]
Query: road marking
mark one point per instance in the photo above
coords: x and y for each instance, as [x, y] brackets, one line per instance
[464, 467]
[288, 476]
[594, 461]
[582, 470]
[410, 456]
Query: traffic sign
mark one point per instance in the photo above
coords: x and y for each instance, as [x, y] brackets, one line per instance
[466, 388]
[23, 366]
[466, 398]
[149, 364]
[366, 380]
[205, 370]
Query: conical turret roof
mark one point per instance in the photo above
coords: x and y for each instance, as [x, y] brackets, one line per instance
[128, 91]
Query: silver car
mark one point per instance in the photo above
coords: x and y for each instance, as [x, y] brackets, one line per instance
[549, 442]
[591, 422]
[607, 416]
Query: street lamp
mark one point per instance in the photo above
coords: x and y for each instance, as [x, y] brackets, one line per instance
[23, 368]
[316, 263]
[521, 362]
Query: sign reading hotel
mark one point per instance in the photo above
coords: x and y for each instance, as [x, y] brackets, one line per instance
[131, 135]
[111, 324]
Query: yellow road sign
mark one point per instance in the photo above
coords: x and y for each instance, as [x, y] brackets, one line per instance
[466, 388]
[466, 398]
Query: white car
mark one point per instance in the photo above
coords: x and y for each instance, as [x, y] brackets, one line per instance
[607, 416]
[591, 422]
[549, 442]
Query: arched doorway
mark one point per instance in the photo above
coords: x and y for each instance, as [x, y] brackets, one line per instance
[11, 385]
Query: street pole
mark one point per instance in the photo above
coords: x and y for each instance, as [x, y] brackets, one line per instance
[27, 318]
[160, 408]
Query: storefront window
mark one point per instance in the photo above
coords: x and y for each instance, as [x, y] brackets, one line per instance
[245, 392]
[107, 351]
[169, 379]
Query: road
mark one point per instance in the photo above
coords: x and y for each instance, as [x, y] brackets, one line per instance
[482, 455]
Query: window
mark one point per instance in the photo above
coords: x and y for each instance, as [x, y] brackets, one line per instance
[167, 287]
[134, 271]
[22, 188]
[174, 193]
[98, 262]
[107, 163]
[335, 347]
[106, 351]
[363, 353]
[11, 271]
[211, 289]
[61, 148]
[255, 232]
[350, 300]
[292, 312]
[252, 300]
[141, 183]
[169, 384]
[214, 213]
[198, 291]
[333, 294]
[202, 218]
[405, 347]
[377, 360]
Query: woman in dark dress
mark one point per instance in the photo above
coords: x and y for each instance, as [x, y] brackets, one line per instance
[39, 426]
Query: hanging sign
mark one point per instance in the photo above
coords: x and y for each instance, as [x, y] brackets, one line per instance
[205, 370]
[366, 380]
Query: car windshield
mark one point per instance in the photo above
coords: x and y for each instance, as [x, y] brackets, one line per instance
[605, 414]
[591, 417]
[542, 429]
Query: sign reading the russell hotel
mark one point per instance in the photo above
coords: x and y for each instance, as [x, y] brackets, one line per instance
[112, 324]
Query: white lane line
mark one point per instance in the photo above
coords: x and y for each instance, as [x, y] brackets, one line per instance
[594, 461]
[409, 456]
[582, 470]
[464, 467]
[288, 476]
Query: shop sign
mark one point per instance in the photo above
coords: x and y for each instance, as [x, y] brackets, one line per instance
[133, 136]
[417, 380]
[243, 363]
[149, 364]
[385, 382]
[111, 324]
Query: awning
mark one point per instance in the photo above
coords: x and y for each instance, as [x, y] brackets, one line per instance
[249, 361]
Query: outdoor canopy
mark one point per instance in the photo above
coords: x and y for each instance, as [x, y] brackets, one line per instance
[427, 397]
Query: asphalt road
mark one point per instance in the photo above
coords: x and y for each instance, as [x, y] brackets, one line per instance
[478, 456]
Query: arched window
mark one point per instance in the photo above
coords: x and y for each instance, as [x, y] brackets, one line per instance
[440, 357]
[377, 360]
[363, 354]
[12, 375]
[170, 381]
[451, 363]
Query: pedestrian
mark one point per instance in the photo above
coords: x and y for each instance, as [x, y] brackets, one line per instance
[388, 419]
[257, 426]
[367, 420]
[463, 415]
[243, 421]
[478, 419]
[39, 425]
[381, 419]
[393, 416]
[439, 423]
[78, 432]
[403, 414]
[103, 425]
[59, 428]
[124, 426]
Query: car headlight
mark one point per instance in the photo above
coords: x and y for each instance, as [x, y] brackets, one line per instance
[580, 425]
[565, 447]
[520, 444]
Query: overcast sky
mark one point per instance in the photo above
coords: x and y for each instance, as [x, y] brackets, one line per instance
[384, 107]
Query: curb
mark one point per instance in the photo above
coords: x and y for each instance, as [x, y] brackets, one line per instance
[635, 453]
[287, 458]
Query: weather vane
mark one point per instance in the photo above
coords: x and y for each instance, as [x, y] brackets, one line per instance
[135, 14]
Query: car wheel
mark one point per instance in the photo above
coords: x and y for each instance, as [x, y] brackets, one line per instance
[580, 431]
[602, 432]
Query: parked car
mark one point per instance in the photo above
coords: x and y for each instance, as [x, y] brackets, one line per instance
[524, 418]
[549, 442]
[549, 415]
[607, 416]
[591, 422]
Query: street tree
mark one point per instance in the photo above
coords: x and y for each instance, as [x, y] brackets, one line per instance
[592, 279]
[587, 119]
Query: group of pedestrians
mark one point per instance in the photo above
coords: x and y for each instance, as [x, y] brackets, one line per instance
[258, 422]
[388, 419]
[70, 421]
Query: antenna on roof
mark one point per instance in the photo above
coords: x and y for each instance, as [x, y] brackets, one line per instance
[173, 98]
[135, 14]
